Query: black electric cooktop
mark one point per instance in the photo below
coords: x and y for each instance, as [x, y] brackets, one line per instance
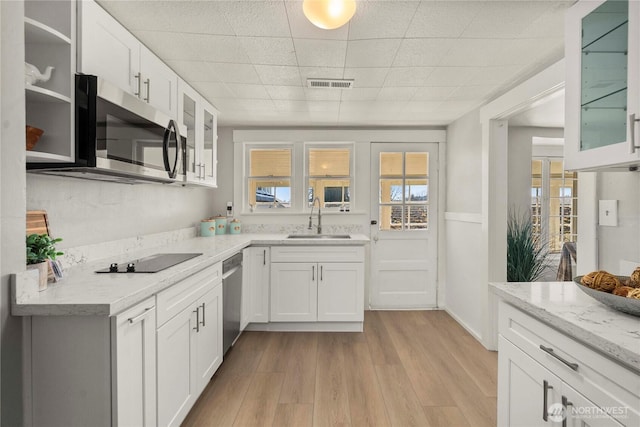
[150, 264]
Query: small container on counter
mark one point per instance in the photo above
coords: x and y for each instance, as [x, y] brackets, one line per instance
[235, 227]
[221, 225]
[208, 227]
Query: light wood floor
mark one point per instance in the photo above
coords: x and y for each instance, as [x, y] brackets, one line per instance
[409, 368]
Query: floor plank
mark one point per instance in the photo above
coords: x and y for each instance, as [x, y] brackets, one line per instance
[408, 368]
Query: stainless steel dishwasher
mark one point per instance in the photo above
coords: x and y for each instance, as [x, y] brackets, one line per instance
[232, 299]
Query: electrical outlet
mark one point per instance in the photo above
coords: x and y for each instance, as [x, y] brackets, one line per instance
[229, 208]
[608, 213]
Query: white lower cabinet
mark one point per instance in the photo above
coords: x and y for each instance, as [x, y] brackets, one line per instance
[310, 284]
[94, 370]
[546, 378]
[256, 268]
[189, 347]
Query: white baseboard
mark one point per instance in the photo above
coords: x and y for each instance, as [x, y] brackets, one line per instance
[306, 327]
[469, 329]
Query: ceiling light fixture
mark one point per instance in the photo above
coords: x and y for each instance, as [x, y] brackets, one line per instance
[329, 14]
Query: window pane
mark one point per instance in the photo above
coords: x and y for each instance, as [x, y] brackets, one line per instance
[270, 162]
[416, 190]
[330, 162]
[536, 168]
[390, 218]
[417, 217]
[417, 164]
[390, 164]
[331, 192]
[269, 193]
[390, 190]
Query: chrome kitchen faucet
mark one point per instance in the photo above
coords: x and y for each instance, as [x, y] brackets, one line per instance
[319, 215]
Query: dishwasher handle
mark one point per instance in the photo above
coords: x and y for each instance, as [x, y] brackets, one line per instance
[230, 272]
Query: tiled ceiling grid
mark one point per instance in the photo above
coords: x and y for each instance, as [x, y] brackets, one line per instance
[414, 63]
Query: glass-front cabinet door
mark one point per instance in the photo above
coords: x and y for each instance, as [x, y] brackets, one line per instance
[187, 99]
[209, 158]
[602, 84]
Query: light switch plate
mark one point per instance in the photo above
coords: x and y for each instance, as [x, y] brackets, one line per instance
[608, 213]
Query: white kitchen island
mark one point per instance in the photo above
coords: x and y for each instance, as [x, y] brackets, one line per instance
[564, 356]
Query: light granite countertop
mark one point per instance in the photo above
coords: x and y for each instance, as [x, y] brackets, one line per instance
[565, 307]
[84, 292]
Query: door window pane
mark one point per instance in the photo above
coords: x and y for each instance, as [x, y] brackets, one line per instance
[416, 217]
[391, 164]
[416, 190]
[390, 218]
[391, 190]
[417, 164]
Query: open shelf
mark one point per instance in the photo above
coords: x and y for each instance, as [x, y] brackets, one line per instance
[37, 32]
[41, 95]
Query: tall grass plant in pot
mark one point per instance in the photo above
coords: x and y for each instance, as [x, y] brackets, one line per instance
[40, 249]
[527, 255]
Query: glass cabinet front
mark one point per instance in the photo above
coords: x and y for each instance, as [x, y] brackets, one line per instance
[189, 119]
[603, 116]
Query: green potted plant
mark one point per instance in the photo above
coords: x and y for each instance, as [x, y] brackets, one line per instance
[526, 253]
[40, 249]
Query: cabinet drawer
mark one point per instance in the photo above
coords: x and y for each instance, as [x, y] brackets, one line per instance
[173, 300]
[600, 379]
[317, 254]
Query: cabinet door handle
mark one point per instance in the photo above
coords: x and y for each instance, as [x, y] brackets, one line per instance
[141, 316]
[138, 78]
[203, 312]
[545, 408]
[264, 257]
[321, 273]
[632, 133]
[313, 273]
[565, 405]
[148, 84]
[550, 351]
[197, 312]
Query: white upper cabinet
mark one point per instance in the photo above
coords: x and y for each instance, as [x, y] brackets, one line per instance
[602, 50]
[201, 120]
[109, 50]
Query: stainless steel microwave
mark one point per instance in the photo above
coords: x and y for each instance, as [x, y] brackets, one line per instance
[119, 137]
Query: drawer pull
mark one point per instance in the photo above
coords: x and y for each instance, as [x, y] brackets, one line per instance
[197, 312]
[545, 391]
[550, 351]
[565, 405]
[140, 316]
[203, 311]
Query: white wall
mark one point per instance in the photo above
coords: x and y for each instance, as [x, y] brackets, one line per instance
[463, 222]
[12, 203]
[84, 212]
[621, 242]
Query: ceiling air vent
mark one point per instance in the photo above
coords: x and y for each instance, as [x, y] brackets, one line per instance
[330, 83]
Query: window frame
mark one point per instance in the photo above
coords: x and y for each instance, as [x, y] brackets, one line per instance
[247, 147]
[350, 146]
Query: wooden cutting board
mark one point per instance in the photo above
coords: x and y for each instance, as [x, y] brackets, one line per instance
[37, 222]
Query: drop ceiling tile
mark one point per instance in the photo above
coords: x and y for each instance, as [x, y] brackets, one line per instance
[442, 19]
[457, 107]
[234, 73]
[301, 28]
[168, 46]
[473, 93]
[504, 19]
[495, 75]
[450, 76]
[372, 53]
[245, 91]
[356, 107]
[213, 90]
[226, 105]
[269, 50]
[287, 105]
[320, 53]
[396, 93]
[320, 118]
[422, 52]
[256, 105]
[434, 93]
[381, 20]
[192, 71]
[278, 75]
[323, 106]
[360, 94]
[478, 52]
[320, 73]
[256, 18]
[316, 94]
[422, 106]
[286, 92]
[366, 77]
[215, 48]
[550, 23]
[407, 76]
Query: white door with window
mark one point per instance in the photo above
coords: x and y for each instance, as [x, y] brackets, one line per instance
[404, 247]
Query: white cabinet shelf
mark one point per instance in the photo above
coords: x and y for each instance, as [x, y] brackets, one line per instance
[37, 94]
[37, 32]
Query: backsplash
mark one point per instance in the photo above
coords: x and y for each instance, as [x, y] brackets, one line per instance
[302, 229]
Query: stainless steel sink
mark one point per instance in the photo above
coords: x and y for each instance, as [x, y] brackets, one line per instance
[318, 236]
